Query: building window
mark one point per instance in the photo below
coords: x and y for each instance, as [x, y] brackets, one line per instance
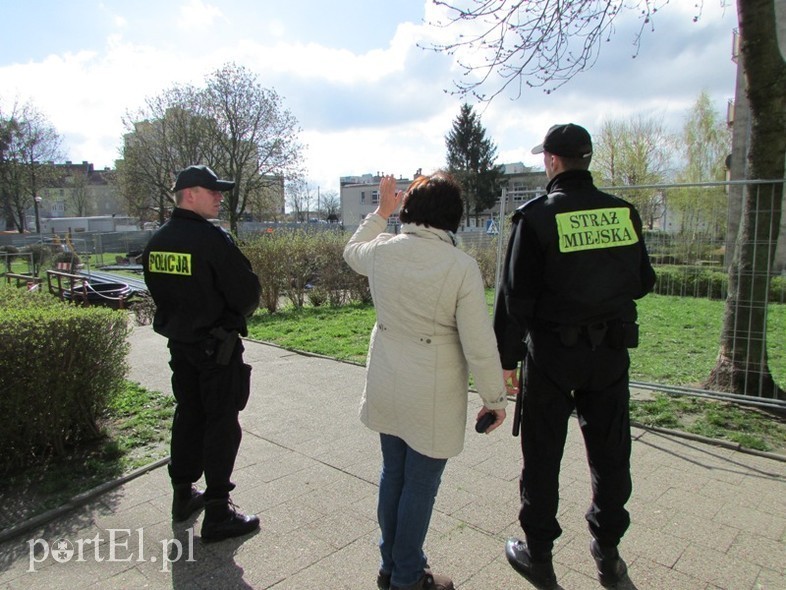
[375, 197]
[362, 196]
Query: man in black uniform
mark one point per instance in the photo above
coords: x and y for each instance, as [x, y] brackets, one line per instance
[575, 262]
[204, 289]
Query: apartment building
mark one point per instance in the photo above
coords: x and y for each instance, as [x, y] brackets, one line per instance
[360, 196]
[79, 190]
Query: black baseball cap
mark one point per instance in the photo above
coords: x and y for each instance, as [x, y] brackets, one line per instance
[566, 140]
[201, 176]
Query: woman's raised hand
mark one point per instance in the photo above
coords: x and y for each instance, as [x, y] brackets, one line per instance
[389, 197]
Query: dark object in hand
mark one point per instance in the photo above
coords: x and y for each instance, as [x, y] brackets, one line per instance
[483, 423]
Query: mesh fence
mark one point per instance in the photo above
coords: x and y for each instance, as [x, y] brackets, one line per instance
[711, 241]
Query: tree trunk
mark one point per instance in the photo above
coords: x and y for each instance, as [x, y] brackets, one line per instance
[742, 365]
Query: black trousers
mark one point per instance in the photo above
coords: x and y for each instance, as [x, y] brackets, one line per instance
[205, 429]
[594, 383]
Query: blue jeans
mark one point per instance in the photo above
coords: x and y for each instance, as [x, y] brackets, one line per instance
[408, 487]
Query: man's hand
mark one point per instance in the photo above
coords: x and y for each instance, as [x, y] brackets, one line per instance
[511, 377]
[389, 197]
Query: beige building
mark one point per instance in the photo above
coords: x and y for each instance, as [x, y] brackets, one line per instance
[360, 196]
[79, 190]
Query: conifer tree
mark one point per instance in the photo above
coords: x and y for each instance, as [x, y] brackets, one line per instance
[470, 159]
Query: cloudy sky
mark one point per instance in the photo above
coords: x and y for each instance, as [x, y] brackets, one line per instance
[367, 98]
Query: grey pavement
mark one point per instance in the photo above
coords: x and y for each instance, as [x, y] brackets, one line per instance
[703, 516]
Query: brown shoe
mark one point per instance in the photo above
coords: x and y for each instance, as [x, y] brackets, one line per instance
[429, 581]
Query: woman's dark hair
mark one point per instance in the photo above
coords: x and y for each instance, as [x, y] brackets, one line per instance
[433, 201]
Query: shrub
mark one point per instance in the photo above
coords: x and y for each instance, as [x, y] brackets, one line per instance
[334, 277]
[486, 256]
[711, 283]
[59, 367]
[266, 254]
[302, 265]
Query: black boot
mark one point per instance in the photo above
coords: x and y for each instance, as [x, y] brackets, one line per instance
[383, 580]
[611, 568]
[186, 501]
[540, 571]
[222, 521]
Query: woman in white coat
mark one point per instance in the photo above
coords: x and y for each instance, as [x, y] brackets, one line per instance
[433, 328]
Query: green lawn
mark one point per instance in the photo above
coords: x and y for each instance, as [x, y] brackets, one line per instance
[679, 336]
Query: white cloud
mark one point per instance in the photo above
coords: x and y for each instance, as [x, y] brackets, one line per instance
[196, 14]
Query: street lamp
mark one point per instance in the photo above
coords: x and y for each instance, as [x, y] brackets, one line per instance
[36, 201]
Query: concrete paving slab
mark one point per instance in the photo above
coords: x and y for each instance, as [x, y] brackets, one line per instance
[703, 517]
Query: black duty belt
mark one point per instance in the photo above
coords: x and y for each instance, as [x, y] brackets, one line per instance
[614, 333]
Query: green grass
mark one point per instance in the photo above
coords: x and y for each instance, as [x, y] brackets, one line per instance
[135, 433]
[748, 427]
[138, 423]
[337, 332]
[679, 344]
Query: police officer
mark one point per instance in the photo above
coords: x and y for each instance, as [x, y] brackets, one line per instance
[204, 289]
[575, 263]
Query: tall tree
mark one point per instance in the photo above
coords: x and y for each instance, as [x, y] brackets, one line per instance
[470, 159]
[80, 202]
[634, 152]
[256, 139]
[544, 43]
[169, 133]
[233, 125]
[267, 204]
[330, 206]
[705, 144]
[300, 197]
[29, 145]
[742, 364]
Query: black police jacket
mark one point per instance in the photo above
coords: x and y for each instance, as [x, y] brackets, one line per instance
[576, 256]
[198, 278]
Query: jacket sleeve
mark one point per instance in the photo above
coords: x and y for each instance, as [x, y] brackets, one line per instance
[237, 282]
[519, 291]
[477, 340]
[646, 272]
[358, 250]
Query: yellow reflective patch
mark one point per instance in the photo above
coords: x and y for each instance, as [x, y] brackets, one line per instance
[173, 263]
[595, 229]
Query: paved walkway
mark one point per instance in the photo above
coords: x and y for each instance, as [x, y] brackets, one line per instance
[704, 517]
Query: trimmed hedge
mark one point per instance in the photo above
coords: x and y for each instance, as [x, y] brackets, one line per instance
[697, 281]
[59, 366]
